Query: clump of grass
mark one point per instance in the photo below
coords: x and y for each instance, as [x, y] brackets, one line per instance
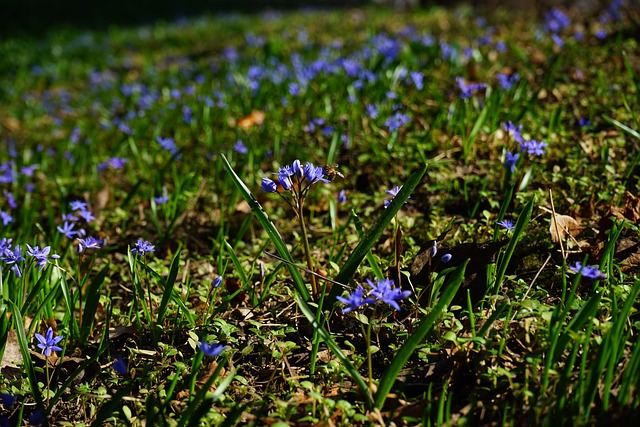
[138, 276]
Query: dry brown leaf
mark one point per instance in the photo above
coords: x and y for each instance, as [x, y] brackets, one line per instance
[631, 207]
[256, 118]
[12, 355]
[563, 225]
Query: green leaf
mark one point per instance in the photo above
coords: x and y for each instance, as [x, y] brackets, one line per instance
[168, 288]
[271, 230]
[413, 342]
[92, 298]
[518, 231]
[371, 237]
[328, 340]
[23, 342]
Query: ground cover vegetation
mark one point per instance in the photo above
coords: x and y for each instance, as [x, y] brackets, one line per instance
[323, 218]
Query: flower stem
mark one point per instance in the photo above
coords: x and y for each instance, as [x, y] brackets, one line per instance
[307, 250]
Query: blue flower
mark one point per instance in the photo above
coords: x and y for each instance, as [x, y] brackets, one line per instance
[240, 148]
[355, 300]
[142, 247]
[509, 224]
[396, 121]
[89, 243]
[446, 258]
[41, 255]
[507, 82]
[385, 292]
[6, 218]
[590, 272]
[78, 205]
[393, 193]
[537, 148]
[467, 90]
[12, 258]
[49, 343]
[218, 281]
[211, 350]
[342, 197]
[8, 400]
[268, 185]
[120, 366]
[510, 162]
[68, 230]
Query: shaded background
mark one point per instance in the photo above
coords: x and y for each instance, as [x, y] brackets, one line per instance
[35, 17]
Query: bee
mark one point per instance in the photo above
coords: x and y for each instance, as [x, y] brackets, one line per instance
[331, 171]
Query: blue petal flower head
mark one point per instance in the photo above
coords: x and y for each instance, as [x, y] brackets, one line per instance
[396, 121]
[37, 417]
[268, 186]
[41, 255]
[590, 272]
[355, 300]
[296, 168]
[89, 243]
[417, 78]
[385, 292]
[120, 366]
[446, 258]
[6, 218]
[555, 21]
[342, 197]
[371, 110]
[393, 193]
[285, 181]
[240, 148]
[536, 148]
[78, 205]
[509, 224]
[8, 400]
[211, 350]
[49, 343]
[161, 200]
[507, 82]
[467, 90]
[514, 131]
[12, 257]
[511, 160]
[218, 281]
[87, 216]
[67, 229]
[142, 247]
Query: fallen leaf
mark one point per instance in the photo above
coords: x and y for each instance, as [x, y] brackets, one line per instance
[256, 118]
[563, 225]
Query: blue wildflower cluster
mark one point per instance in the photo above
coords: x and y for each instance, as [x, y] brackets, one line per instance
[12, 255]
[531, 147]
[468, 89]
[383, 291]
[80, 215]
[588, 271]
[295, 177]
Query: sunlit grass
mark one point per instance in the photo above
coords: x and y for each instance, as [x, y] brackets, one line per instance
[194, 267]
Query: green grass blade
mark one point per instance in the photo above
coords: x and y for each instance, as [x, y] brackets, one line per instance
[371, 237]
[370, 258]
[238, 265]
[168, 288]
[268, 226]
[413, 342]
[521, 224]
[27, 363]
[328, 340]
[585, 315]
[92, 300]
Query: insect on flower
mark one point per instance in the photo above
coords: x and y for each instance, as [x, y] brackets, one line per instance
[331, 171]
